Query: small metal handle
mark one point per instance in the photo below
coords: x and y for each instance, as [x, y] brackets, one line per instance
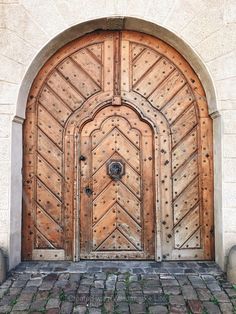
[82, 158]
[88, 191]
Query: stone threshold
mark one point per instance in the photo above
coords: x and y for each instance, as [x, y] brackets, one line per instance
[135, 267]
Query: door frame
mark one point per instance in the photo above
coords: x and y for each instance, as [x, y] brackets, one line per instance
[74, 125]
[147, 226]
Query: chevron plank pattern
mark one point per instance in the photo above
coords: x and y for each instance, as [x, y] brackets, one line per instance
[117, 206]
[128, 97]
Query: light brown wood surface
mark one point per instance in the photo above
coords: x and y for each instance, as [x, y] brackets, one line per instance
[120, 212]
[117, 96]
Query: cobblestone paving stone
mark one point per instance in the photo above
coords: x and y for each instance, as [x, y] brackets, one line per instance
[117, 287]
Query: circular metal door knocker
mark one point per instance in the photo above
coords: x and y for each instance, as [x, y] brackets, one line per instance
[115, 169]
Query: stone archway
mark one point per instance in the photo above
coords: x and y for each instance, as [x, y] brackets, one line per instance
[148, 74]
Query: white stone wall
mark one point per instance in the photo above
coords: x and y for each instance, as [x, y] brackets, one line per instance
[207, 26]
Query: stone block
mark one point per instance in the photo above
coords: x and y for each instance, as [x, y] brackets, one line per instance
[230, 126]
[229, 195]
[8, 93]
[9, 1]
[176, 300]
[14, 47]
[160, 309]
[182, 13]
[162, 7]
[4, 220]
[5, 123]
[211, 308]
[226, 308]
[202, 25]
[203, 294]
[218, 43]
[5, 172]
[224, 88]
[223, 66]
[53, 303]
[4, 149]
[229, 145]
[4, 201]
[229, 218]
[230, 11]
[11, 71]
[231, 265]
[195, 306]
[46, 15]
[229, 241]
[18, 20]
[189, 293]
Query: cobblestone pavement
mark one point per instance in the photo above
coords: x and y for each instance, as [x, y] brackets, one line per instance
[117, 287]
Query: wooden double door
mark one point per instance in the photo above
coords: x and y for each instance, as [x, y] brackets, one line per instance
[117, 154]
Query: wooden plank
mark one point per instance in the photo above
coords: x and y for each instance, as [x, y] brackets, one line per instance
[129, 202]
[104, 202]
[50, 204]
[49, 177]
[86, 215]
[129, 227]
[125, 66]
[96, 50]
[184, 230]
[206, 183]
[136, 50]
[185, 174]
[194, 241]
[41, 242]
[46, 255]
[29, 133]
[115, 141]
[182, 152]
[100, 180]
[49, 151]
[184, 124]
[115, 123]
[50, 126]
[28, 196]
[108, 64]
[89, 64]
[143, 63]
[116, 242]
[167, 89]
[155, 76]
[49, 228]
[54, 105]
[65, 91]
[186, 201]
[104, 227]
[176, 106]
[84, 85]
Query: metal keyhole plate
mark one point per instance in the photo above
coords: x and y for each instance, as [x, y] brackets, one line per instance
[115, 169]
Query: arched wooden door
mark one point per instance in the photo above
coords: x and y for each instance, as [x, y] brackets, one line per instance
[117, 154]
[117, 186]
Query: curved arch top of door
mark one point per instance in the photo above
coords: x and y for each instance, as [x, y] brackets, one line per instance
[117, 154]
